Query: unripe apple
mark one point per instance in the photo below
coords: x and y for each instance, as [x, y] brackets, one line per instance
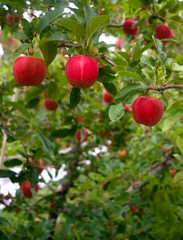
[147, 110]
[162, 32]
[50, 105]
[9, 18]
[173, 172]
[127, 27]
[118, 43]
[26, 189]
[29, 71]
[81, 71]
[78, 135]
[107, 97]
[40, 169]
[52, 204]
[127, 108]
[122, 153]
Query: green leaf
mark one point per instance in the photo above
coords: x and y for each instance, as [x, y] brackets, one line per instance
[94, 24]
[136, 52]
[27, 28]
[129, 74]
[53, 91]
[149, 45]
[105, 75]
[7, 173]
[116, 112]
[179, 143]
[89, 12]
[33, 176]
[46, 144]
[171, 115]
[49, 18]
[125, 55]
[75, 97]
[73, 26]
[58, 36]
[110, 88]
[12, 163]
[19, 107]
[4, 221]
[16, 3]
[49, 49]
[64, 132]
[129, 91]
[178, 177]
[18, 51]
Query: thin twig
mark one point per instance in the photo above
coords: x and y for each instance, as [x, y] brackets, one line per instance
[115, 25]
[108, 61]
[163, 88]
[69, 45]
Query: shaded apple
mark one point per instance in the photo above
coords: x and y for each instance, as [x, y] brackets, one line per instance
[50, 105]
[127, 27]
[26, 189]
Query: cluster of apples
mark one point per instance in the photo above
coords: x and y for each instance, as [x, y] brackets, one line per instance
[12, 19]
[26, 185]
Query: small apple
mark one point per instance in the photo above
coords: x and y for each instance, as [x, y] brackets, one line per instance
[26, 189]
[52, 204]
[127, 108]
[164, 149]
[115, 8]
[141, 212]
[118, 43]
[162, 32]
[9, 18]
[127, 27]
[105, 134]
[80, 119]
[147, 110]
[40, 169]
[130, 54]
[133, 209]
[122, 153]
[81, 71]
[29, 71]
[12, 40]
[173, 172]
[50, 105]
[16, 19]
[57, 140]
[78, 135]
[107, 97]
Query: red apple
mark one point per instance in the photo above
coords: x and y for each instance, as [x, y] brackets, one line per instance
[80, 119]
[107, 97]
[105, 134]
[12, 40]
[118, 43]
[40, 169]
[115, 8]
[122, 153]
[9, 18]
[173, 172]
[141, 212]
[29, 71]
[127, 27]
[26, 189]
[52, 204]
[164, 149]
[17, 20]
[162, 32]
[133, 209]
[57, 140]
[147, 110]
[127, 108]
[81, 71]
[129, 54]
[78, 135]
[50, 105]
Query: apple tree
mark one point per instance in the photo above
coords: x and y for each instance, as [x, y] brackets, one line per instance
[92, 90]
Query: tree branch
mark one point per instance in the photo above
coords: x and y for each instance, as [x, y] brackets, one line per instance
[108, 61]
[115, 25]
[69, 45]
[163, 88]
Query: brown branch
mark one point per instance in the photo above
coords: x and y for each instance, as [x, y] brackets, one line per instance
[69, 45]
[108, 61]
[153, 170]
[115, 25]
[163, 88]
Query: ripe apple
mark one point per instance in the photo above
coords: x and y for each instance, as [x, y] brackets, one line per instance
[162, 32]
[29, 71]
[78, 135]
[82, 71]
[147, 110]
[164, 149]
[118, 43]
[26, 189]
[52, 204]
[107, 97]
[173, 172]
[12, 40]
[133, 209]
[9, 18]
[127, 27]
[115, 8]
[80, 119]
[127, 108]
[141, 212]
[129, 54]
[40, 169]
[50, 105]
[122, 153]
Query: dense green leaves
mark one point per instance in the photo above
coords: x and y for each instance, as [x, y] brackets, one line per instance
[75, 97]
[6, 173]
[12, 163]
[19, 107]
